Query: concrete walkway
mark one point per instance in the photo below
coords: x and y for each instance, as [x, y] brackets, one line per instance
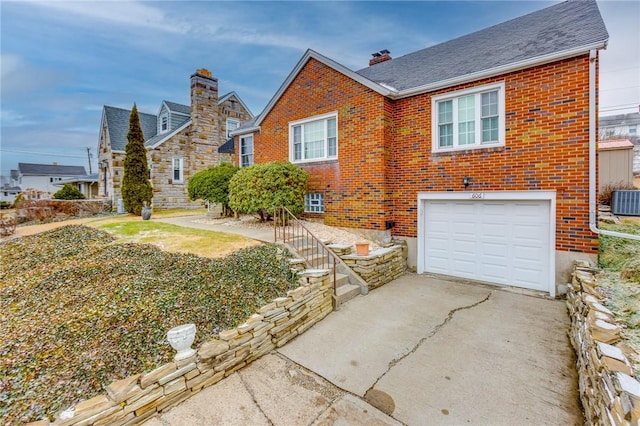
[420, 349]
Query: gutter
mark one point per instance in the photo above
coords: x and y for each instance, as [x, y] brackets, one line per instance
[244, 131]
[593, 223]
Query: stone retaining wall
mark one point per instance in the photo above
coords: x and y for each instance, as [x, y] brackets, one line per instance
[136, 398]
[379, 267]
[609, 390]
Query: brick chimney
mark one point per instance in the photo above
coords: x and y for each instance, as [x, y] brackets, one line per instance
[378, 57]
[204, 106]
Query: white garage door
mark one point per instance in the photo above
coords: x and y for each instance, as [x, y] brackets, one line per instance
[503, 242]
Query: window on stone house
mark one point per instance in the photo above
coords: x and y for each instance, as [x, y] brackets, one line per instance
[165, 124]
[314, 139]
[468, 119]
[246, 151]
[178, 172]
[314, 202]
[232, 125]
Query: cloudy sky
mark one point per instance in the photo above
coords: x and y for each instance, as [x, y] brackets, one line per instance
[62, 61]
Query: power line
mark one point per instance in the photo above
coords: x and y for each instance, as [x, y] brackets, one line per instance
[618, 109]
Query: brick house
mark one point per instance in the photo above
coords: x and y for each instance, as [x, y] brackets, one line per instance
[475, 151]
[181, 140]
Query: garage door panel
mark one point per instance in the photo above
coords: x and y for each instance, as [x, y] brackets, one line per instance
[464, 267]
[528, 231]
[493, 248]
[495, 273]
[505, 242]
[493, 230]
[527, 253]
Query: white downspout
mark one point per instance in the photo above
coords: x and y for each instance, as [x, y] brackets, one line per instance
[593, 206]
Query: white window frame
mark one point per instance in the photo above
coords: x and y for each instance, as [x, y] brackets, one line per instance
[325, 157]
[241, 155]
[314, 202]
[232, 120]
[181, 169]
[454, 96]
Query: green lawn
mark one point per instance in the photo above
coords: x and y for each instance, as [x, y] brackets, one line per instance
[79, 309]
[175, 238]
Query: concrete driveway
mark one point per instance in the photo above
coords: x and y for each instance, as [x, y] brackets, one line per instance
[423, 350]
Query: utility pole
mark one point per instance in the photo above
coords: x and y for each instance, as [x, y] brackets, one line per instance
[89, 158]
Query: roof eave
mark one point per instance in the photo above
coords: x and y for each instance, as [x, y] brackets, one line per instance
[245, 131]
[328, 62]
[169, 135]
[504, 69]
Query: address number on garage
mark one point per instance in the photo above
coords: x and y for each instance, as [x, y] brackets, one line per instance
[477, 195]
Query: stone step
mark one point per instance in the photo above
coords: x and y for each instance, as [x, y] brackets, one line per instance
[347, 292]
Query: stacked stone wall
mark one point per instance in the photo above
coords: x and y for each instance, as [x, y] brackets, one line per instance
[609, 389]
[379, 267]
[133, 399]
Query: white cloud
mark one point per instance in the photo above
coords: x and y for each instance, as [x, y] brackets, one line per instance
[19, 77]
[136, 14]
[10, 118]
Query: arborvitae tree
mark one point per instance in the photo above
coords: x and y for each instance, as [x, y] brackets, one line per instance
[136, 188]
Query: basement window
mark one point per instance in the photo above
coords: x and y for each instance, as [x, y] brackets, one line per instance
[314, 202]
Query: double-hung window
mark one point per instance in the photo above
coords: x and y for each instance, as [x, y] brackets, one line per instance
[467, 119]
[177, 169]
[232, 125]
[314, 202]
[246, 151]
[314, 139]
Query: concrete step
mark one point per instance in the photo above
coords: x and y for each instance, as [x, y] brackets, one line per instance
[341, 279]
[347, 292]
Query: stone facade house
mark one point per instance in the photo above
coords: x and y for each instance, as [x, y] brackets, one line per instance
[181, 140]
[476, 151]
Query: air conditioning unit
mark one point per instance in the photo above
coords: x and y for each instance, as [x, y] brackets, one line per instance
[625, 203]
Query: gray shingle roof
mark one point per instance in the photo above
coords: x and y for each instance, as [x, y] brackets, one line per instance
[246, 125]
[562, 27]
[182, 109]
[118, 125]
[31, 169]
[92, 178]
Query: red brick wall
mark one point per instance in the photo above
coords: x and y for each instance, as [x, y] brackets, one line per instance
[547, 131]
[354, 186]
[385, 158]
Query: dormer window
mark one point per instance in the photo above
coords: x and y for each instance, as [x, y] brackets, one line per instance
[164, 126]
